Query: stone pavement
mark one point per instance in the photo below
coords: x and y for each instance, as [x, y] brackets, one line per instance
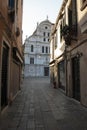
[41, 107]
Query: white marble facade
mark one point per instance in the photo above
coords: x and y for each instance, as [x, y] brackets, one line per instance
[37, 51]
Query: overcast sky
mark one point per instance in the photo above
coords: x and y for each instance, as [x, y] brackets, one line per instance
[37, 11]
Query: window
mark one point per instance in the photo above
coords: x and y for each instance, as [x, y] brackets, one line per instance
[46, 49]
[48, 34]
[16, 6]
[11, 4]
[31, 60]
[11, 10]
[83, 4]
[64, 21]
[32, 48]
[46, 27]
[55, 41]
[49, 49]
[42, 49]
[60, 32]
[44, 33]
[44, 39]
[70, 17]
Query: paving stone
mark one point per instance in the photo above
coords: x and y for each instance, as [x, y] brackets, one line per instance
[41, 107]
[31, 124]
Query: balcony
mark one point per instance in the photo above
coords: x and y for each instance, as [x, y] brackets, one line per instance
[69, 33]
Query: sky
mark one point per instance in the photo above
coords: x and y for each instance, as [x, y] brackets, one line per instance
[37, 11]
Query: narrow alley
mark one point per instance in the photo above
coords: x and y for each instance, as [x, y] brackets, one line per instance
[39, 106]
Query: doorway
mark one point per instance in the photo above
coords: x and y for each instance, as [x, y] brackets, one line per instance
[46, 71]
[61, 75]
[4, 76]
[76, 78]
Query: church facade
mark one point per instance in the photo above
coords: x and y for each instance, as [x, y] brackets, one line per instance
[37, 51]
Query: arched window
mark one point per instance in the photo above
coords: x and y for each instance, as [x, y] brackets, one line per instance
[42, 49]
[46, 49]
[32, 48]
